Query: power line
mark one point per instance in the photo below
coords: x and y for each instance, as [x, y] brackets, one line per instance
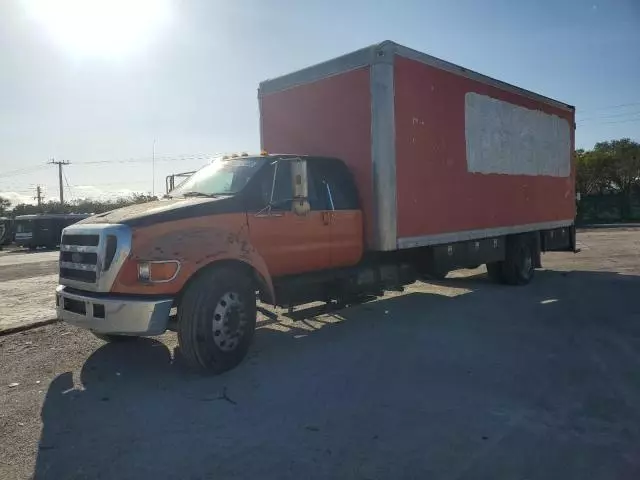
[122, 183]
[630, 120]
[68, 186]
[11, 190]
[199, 157]
[615, 115]
[610, 107]
[158, 158]
[21, 171]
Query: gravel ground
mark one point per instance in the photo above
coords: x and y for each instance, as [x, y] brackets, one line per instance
[458, 379]
[27, 285]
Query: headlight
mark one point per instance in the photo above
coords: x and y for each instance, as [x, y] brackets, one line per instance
[158, 272]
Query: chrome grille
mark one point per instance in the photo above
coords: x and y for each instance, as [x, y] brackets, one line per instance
[91, 255]
[79, 257]
[78, 242]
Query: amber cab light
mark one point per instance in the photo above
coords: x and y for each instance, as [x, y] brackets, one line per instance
[158, 272]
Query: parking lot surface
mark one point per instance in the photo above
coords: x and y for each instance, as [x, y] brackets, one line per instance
[457, 379]
[27, 286]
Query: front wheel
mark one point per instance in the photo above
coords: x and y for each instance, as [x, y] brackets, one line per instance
[109, 338]
[217, 320]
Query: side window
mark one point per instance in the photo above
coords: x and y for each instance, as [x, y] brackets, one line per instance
[283, 188]
[262, 186]
[316, 190]
[258, 195]
[335, 185]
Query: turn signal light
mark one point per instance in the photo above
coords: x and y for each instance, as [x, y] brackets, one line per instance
[158, 272]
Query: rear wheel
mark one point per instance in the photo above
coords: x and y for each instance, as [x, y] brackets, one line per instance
[217, 319]
[494, 271]
[518, 267]
[435, 274]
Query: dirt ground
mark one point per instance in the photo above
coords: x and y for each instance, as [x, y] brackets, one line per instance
[459, 379]
[27, 287]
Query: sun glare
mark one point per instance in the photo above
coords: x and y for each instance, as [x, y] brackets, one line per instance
[101, 27]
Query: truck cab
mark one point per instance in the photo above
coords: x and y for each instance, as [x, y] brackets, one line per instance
[236, 227]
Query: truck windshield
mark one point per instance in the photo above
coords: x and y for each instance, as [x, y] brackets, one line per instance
[222, 177]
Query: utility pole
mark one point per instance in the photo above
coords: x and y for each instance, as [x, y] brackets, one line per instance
[60, 163]
[153, 169]
[39, 195]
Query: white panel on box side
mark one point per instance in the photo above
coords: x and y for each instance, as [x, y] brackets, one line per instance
[508, 139]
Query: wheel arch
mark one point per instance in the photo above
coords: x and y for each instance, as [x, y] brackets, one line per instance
[261, 279]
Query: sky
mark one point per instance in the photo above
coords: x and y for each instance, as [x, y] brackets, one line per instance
[104, 84]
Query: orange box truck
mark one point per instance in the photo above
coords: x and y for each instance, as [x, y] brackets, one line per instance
[395, 165]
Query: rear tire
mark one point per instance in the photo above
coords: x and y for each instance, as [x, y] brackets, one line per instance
[495, 273]
[518, 267]
[217, 320]
[435, 275]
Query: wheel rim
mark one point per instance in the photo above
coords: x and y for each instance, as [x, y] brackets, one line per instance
[229, 321]
[527, 263]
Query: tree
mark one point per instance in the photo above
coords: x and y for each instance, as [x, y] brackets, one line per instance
[591, 173]
[621, 164]
[4, 205]
[82, 205]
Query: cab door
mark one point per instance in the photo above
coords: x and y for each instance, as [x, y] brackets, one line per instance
[288, 243]
[341, 206]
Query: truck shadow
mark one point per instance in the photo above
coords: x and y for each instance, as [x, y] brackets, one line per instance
[321, 392]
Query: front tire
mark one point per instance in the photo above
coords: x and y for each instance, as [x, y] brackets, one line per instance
[109, 338]
[217, 320]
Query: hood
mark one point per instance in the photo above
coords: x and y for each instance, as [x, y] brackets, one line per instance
[167, 210]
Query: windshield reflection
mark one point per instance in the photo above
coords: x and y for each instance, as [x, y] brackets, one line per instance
[221, 177]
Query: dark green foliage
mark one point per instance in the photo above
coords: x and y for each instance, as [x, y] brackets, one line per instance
[608, 179]
[78, 206]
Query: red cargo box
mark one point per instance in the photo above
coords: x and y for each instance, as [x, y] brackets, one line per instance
[439, 153]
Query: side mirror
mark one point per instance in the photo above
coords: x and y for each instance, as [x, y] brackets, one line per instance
[300, 204]
[299, 179]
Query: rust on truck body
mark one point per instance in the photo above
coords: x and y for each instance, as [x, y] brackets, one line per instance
[194, 242]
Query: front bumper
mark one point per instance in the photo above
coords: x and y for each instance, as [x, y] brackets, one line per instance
[113, 315]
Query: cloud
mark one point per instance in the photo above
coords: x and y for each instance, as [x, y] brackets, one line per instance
[17, 198]
[96, 193]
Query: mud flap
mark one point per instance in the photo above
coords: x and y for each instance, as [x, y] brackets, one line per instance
[561, 239]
